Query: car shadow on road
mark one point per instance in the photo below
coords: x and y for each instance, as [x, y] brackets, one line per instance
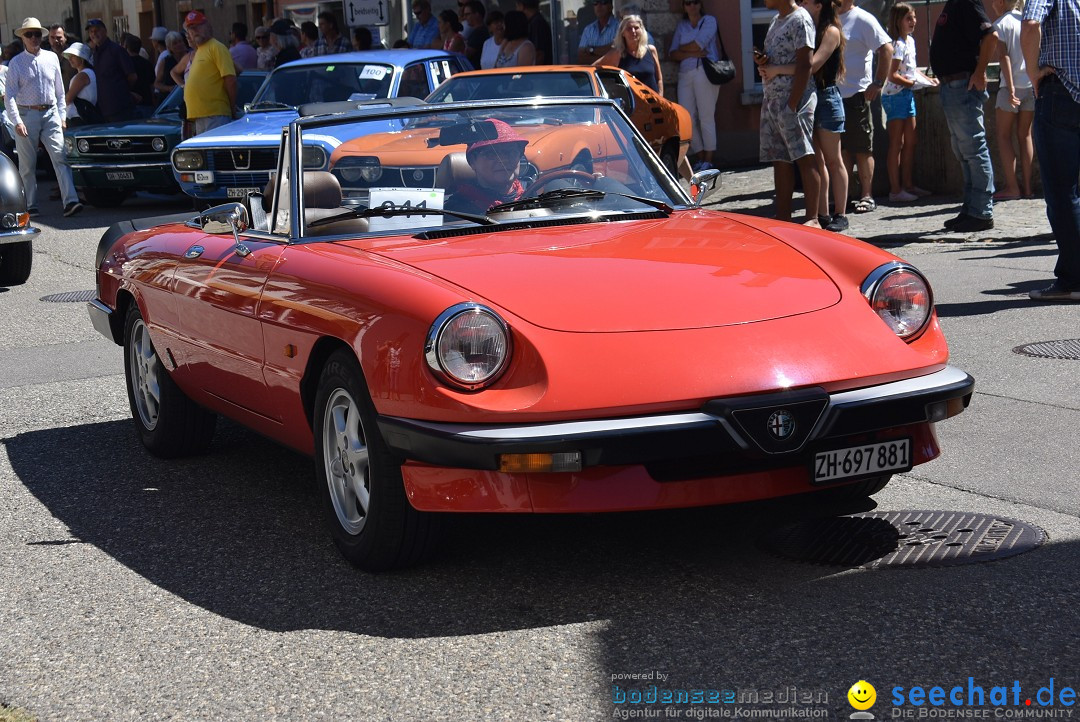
[239, 532]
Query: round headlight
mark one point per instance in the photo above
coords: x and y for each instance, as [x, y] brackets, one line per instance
[901, 297]
[69, 145]
[468, 346]
[84, 145]
[158, 144]
[313, 157]
[188, 160]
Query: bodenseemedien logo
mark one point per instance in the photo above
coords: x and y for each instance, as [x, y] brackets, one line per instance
[862, 696]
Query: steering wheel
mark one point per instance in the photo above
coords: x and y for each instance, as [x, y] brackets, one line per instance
[584, 179]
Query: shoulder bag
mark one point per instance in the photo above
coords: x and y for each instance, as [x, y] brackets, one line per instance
[719, 71]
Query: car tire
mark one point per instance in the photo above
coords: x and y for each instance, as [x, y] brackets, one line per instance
[859, 490]
[168, 423]
[16, 260]
[105, 197]
[371, 521]
[669, 156]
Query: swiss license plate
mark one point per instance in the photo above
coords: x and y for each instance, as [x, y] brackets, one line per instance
[241, 192]
[120, 175]
[865, 460]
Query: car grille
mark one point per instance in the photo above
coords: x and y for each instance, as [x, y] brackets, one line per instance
[242, 180]
[264, 159]
[112, 146]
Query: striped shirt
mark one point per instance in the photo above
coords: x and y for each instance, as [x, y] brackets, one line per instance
[341, 45]
[34, 80]
[1060, 49]
[593, 37]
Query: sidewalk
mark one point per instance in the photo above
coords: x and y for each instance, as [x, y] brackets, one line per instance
[750, 191]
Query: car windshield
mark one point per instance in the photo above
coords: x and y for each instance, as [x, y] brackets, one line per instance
[295, 85]
[429, 168]
[247, 84]
[499, 86]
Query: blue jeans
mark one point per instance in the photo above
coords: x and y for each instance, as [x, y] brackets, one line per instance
[963, 110]
[1057, 142]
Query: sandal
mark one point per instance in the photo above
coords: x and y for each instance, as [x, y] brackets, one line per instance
[865, 205]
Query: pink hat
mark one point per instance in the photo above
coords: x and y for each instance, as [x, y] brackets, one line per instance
[194, 18]
[504, 134]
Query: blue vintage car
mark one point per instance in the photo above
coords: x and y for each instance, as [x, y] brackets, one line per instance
[113, 160]
[236, 159]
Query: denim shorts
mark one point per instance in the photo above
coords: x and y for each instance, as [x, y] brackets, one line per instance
[899, 105]
[830, 110]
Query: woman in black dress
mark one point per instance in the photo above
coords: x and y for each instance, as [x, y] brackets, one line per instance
[632, 53]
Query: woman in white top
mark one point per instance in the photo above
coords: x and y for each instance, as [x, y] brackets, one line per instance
[83, 84]
[516, 49]
[490, 52]
[1015, 103]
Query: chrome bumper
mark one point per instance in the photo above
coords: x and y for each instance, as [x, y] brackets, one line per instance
[18, 235]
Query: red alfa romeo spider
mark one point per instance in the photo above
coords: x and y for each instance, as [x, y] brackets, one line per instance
[515, 338]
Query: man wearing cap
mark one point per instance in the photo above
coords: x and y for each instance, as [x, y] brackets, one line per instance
[210, 91]
[34, 98]
[286, 43]
[496, 163]
[598, 37]
[115, 74]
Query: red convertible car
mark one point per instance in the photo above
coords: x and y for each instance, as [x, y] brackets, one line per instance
[516, 339]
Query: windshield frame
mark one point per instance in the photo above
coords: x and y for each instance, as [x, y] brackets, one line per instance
[307, 124]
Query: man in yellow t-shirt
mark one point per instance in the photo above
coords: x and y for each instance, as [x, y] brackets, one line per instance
[210, 90]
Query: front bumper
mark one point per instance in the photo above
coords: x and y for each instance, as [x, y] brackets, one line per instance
[18, 235]
[725, 436]
[144, 176]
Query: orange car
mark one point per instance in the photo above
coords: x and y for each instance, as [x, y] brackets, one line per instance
[666, 125]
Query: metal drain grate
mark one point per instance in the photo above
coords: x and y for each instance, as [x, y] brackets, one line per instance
[1068, 349]
[905, 539]
[70, 297]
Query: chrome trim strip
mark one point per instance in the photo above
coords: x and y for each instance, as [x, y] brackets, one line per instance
[945, 377]
[948, 376]
[18, 235]
[114, 166]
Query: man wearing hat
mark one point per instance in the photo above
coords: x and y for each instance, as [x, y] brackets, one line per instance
[285, 42]
[497, 163]
[34, 96]
[210, 90]
[115, 74]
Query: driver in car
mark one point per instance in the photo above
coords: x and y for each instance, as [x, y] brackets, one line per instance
[496, 163]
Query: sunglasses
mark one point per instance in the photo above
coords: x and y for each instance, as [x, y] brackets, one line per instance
[32, 34]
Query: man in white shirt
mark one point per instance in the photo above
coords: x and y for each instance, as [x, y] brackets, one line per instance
[35, 105]
[863, 37]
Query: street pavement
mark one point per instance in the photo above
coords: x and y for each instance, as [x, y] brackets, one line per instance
[133, 588]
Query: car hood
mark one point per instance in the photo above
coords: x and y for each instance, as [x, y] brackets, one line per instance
[693, 270]
[144, 126]
[253, 128]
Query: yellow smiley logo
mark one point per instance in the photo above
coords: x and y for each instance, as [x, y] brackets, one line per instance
[862, 695]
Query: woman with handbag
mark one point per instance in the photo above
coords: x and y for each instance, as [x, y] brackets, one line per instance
[693, 44]
[633, 53]
[82, 90]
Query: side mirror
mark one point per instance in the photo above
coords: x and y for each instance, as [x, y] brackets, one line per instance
[226, 218]
[703, 183]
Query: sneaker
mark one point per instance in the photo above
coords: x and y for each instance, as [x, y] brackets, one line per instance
[972, 224]
[1056, 291]
[72, 208]
[902, 197]
[838, 223]
[954, 221]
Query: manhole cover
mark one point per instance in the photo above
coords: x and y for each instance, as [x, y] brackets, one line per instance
[70, 297]
[1067, 349]
[905, 539]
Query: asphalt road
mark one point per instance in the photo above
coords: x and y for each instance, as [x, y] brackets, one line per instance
[132, 588]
